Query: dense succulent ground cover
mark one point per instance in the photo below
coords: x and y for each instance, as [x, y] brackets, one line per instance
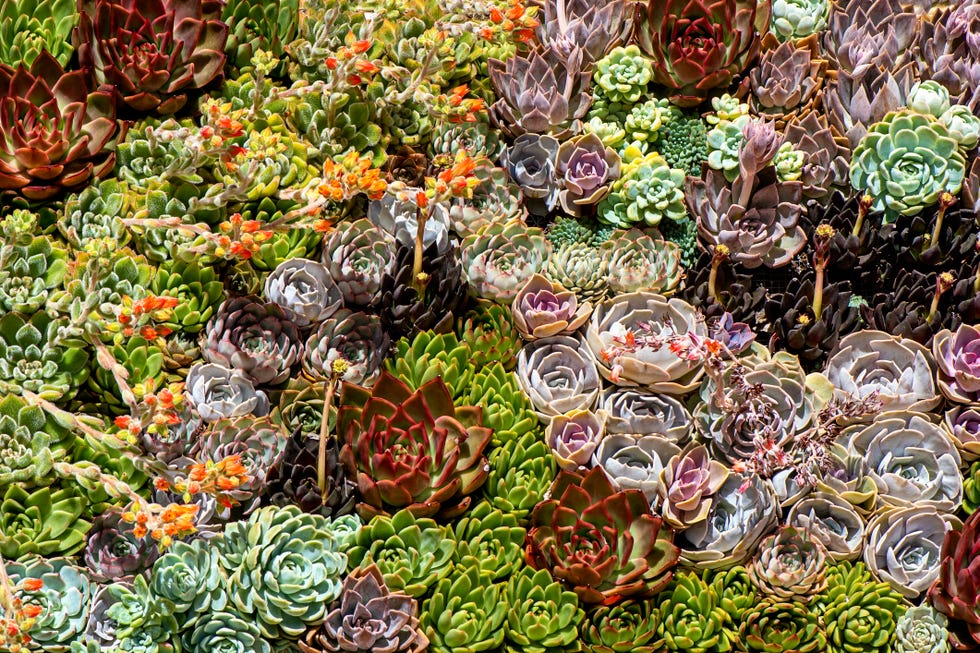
[489, 325]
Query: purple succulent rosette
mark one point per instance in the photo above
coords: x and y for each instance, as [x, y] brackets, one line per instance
[543, 309]
[573, 438]
[958, 358]
[585, 168]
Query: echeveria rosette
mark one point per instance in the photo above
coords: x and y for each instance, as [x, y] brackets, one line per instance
[584, 169]
[558, 375]
[687, 484]
[691, 617]
[858, 613]
[28, 28]
[962, 125]
[958, 359]
[910, 458]
[31, 441]
[956, 593]
[743, 511]
[216, 392]
[542, 615]
[573, 437]
[359, 339]
[465, 613]
[357, 254]
[65, 598]
[143, 621]
[305, 290]
[900, 372]
[833, 521]
[578, 267]
[490, 333]
[635, 462]
[635, 261]
[530, 163]
[603, 544]
[225, 630]
[790, 565]
[652, 321]
[490, 539]
[368, 618]
[55, 135]
[113, 552]
[506, 409]
[774, 626]
[283, 567]
[903, 548]
[697, 47]
[412, 450]
[647, 191]
[153, 53]
[187, 576]
[44, 521]
[542, 309]
[521, 472]
[196, 286]
[597, 28]
[623, 75]
[254, 337]
[34, 358]
[905, 162]
[421, 358]
[628, 627]
[412, 554]
[929, 98]
[499, 259]
[797, 19]
[636, 411]
[920, 630]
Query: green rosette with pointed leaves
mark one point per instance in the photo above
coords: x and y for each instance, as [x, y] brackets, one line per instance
[629, 627]
[44, 521]
[65, 598]
[521, 471]
[506, 409]
[691, 618]
[198, 289]
[774, 626]
[188, 577]
[542, 617]
[489, 539]
[489, 331]
[859, 614]
[465, 614]
[427, 355]
[34, 358]
[30, 443]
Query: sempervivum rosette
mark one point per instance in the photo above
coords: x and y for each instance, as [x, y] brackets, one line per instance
[636, 412]
[899, 372]
[255, 337]
[603, 544]
[903, 548]
[357, 254]
[630, 337]
[911, 459]
[304, 290]
[542, 309]
[687, 484]
[636, 261]
[54, 133]
[742, 512]
[412, 450]
[358, 339]
[558, 375]
[152, 52]
[959, 363]
[597, 27]
[500, 258]
[790, 565]
[635, 463]
[216, 391]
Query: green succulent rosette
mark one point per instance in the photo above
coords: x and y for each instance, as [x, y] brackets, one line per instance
[65, 597]
[96, 212]
[29, 272]
[624, 74]
[427, 355]
[627, 627]
[971, 489]
[905, 162]
[489, 331]
[921, 630]
[542, 617]
[735, 592]
[30, 443]
[684, 144]
[172, 201]
[797, 19]
[159, 151]
[33, 358]
[521, 471]
[198, 289]
[143, 362]
[254, 26]
[225, 630]
[489, 539]
[339, 122]
[91, 452]
[270, 159]
[645, 122]
[143, 621]
[284, 245]
[648, 191]
[412, 554]
[188, 577]
[724, 142]
[465, 614]
[283, 567]
[858, 613]
[43, 521]
[774, 626]
[691, 618]
[27, 27]
[506, 409]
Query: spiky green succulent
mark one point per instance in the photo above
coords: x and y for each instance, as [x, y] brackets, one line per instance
[284, 568]
[28, 27]
[488, 329]
[490, 540]
[859, 614]
[96, 212]
[33, 357]
[412, 554]
[506, 408]
[254, 26]
[542, 615]
[197, 288]
[648, 191]
[465, 613]
[64, 597]
[691, 619]
[628, 627]
[521, 471]
[427, 355]
[905, 162]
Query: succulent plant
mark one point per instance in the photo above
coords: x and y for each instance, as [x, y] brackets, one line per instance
[797, 19]
[500, 259]
[897, 371]
[826, 164]
[254, 337]
[304, 290]
[790, 565]
[645, 123]
[141, 359]
[217, 392]
[421, 359]
[34, 358]
[903, 548]
[927, 472]
[921, 629]
[198, 289]
[929, 98]
[647, 191]
[356, 256]
[225, 630]
[558, 375]
[584, 168]
[27, 29]
[96, 212]
[174, 48]
[543, 615]
[531, 164]
[113, 553]
[589, 510]
[521, 472]
[686, 486]
[57, 136]
[491, 540]
[412, 554]
[691, 618]
[188, 577]
[579, 268]
[946, 54]
[596, 28]
[64, 595]
[44, 521]
[258, 26]
[833, 521]
[724, 142]
[495, 199]
[407, 309]
[339, 122]
[541, 309]
[573, 437]
[788, 78]
[905, 162]
[636, 411]
[653, 322]
[955, 593]
[635, 462]
[962, 125]
[283, 568]
[31, 441]
[684, 144]
[506, 409]
[381, 426]
[356, 338]
[623, 75]
[465, 613]
[858, 613]
[701, 46]
[544, 91]
[628, 626]
[490, 331]
[28, 273]
[963, 425]
[774, 625]
[954, 355]
[743, 511]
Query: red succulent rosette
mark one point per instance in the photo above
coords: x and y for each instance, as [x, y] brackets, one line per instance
[956, 593]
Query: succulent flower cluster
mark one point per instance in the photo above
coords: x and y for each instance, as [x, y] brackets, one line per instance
[489, 325]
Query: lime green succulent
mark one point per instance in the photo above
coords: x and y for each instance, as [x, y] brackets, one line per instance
[905, 162]
[645, 122]
[27, 27]
[627, 627]
[412, 554]
[684, 144]
[33, 358]
[789, 163]
[337, 123]
[254, 26]
[648, 191]
[506, 409]
[724, 143]
[96, 212]
[521, 472]
[427, 355]
[542, 617]
[736, 594]
[971, 489]
[465, 614]
[197, 288]
[774, 626]
[491, 540]
[624, 74]
[489, 331]
[90, 451]
[691, 619]
[142, 359]
[45, 521]
[29, 271]
[859, 614]
[177, 201]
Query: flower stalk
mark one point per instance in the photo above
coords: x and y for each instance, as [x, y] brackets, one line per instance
[337, 371]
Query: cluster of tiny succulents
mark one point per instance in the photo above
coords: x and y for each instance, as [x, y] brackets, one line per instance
[543, 326]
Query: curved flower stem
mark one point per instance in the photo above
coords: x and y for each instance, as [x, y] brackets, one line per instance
[946, 200]
[418, 278]
[720, 254]
[863, 206]
[944, 282]
[337, 370]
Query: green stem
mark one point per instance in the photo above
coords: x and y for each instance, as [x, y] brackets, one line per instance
[417, 281]
[818, 293]
[937, 230]
[321, 462]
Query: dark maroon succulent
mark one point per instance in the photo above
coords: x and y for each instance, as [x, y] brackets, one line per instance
[113, 553]
[956, 593]
[153, 52]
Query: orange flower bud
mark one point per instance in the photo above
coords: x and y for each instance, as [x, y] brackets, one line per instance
[32, 584]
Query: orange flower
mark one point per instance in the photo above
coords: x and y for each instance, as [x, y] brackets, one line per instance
[32, 584]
